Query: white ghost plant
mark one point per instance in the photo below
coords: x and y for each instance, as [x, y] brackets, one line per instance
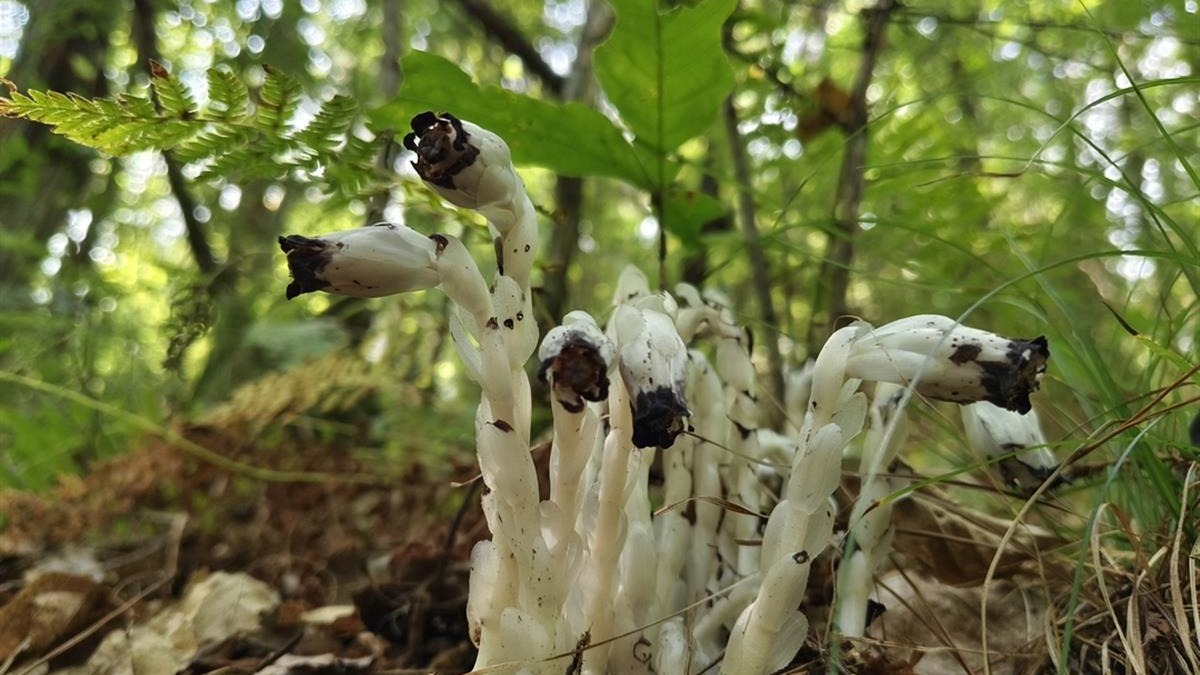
[593, 580]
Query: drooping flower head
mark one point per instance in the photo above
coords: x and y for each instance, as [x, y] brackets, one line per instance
[365, 262]
[440, 143]
[950, 361]
[466, 164]
[1015, 440]
[653, 364]
[575, 358]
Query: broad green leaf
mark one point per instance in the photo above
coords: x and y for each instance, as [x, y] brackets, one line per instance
[686, 211]
[666, 72]
[570, 138]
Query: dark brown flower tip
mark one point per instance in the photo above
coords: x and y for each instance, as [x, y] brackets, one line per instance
[577, 373]
[306, 257]
[1010, 381]
[441, 146]
[658, 418]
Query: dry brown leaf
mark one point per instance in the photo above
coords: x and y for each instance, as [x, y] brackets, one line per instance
[939, 625]
[957, 546]
[51, 608]
[831, 109]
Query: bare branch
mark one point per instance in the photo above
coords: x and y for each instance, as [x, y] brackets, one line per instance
[501, 29]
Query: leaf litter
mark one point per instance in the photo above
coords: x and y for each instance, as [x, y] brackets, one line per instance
[159, 562]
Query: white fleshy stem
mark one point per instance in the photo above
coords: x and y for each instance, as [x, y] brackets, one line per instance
[590, 563]
[576, 359]
[871, 528]
[708, 399]
[767, 632]
[737, 371]
[515, 615]
[607, 537]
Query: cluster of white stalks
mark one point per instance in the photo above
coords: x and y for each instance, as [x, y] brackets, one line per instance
[677, 533]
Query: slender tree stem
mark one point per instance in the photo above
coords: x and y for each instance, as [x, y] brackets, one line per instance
[759, 272]
[568, 190]
[197, 236]
[833, 278]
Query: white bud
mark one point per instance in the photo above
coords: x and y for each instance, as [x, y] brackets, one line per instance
[575, 359]
[995, 432]
[632, 283]
[366, 262]
[950, 361]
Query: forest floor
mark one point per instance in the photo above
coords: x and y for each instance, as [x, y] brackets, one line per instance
[158, 561]
[385, 564]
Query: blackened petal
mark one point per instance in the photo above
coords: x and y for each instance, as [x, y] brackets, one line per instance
[441, 145]
[306, 257]
[1010, 381]
[577, 371]
[658, 418]
[422, 121]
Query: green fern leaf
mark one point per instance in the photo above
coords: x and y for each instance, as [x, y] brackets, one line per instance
[354, 170]
[278, 102]
[224, 139]
[228, 97]
[327, 131]
[219, 138]
[173, 96]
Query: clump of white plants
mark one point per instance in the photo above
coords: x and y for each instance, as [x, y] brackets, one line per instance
[595, 579]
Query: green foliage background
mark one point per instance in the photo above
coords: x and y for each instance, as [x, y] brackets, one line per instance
[1029, 167]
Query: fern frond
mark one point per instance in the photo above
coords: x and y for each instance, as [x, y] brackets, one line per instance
[173, 96]
[216, 139]
[228, 98]
[278, 102]
[327, 131]
[90, 121]
[228, 138]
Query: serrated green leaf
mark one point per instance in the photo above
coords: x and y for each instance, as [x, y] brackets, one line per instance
[227, 95]
[278, 101]
[217, 138]
[173, 96]
[136, 106]
[328, 129]
[571, 139]
[222, 140]
[666, 73]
